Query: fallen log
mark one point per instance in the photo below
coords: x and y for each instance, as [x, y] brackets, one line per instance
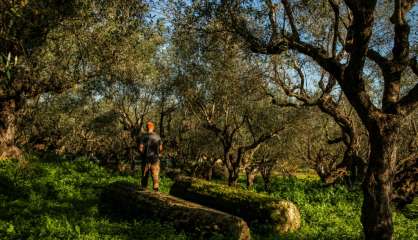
[121, 199]
[254, 208]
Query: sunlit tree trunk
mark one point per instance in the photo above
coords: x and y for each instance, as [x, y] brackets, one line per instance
[8, 148]
[250, 176]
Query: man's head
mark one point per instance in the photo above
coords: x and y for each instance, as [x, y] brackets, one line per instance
[150, 126]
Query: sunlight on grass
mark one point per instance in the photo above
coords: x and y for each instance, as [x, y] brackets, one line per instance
[58, 200]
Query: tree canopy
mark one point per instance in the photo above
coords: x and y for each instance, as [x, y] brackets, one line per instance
[234, 87]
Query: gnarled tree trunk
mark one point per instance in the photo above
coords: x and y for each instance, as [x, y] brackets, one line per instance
[405, 184]
[352, 161]
[377, 188]
[266, 175]
[232, 166]
[355, 166]
[8, 148]
[250, 176]
[233, 177]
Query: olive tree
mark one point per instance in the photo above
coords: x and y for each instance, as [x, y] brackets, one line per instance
[323, 30]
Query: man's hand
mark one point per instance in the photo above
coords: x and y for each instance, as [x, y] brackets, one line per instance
[141, 148]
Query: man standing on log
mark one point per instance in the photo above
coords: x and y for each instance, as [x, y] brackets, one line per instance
[150, 148]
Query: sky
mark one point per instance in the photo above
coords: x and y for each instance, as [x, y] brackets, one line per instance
[159, 8]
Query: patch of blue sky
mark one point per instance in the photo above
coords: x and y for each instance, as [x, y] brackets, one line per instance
[382, 39]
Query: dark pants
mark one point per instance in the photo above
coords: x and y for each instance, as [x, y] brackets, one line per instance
[146, 168]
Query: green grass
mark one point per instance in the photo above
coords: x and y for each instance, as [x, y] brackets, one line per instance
[59, 199]
[411, 211]
[332, 212]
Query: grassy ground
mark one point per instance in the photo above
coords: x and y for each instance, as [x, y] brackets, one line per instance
[58, 200]
[333, 213]
[411, 211]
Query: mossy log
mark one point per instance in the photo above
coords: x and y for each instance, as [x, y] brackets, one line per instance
[121, 199]
[254, 208]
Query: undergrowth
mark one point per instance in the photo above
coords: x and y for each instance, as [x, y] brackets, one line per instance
[59, 199]
[332, 212]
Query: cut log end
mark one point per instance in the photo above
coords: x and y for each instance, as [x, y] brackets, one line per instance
[283, 216]
[286, 217]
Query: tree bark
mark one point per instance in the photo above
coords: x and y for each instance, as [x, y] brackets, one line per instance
[352, 161]
[250, 176]
[266, 175]
[231, 166]
[120, 199]
[8, 148]
[405, 184]
[209, 173]
[232, 177]
[383, 132]
[211, 168]
[377, 187]
[354, 164]
[283, 216]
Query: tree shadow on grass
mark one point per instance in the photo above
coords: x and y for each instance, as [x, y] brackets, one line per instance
[11, 190]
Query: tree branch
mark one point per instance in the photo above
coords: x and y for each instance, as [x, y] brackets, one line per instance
[414, 65]
[301, 96]
[320, 56]
[272, 17]
[401, 44]
[289, 14]
[409, 102]
[381, 61]
[357, 41]
[261, 139]
[336, 10]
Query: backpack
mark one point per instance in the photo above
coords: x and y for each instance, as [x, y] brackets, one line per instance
[152, 147]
